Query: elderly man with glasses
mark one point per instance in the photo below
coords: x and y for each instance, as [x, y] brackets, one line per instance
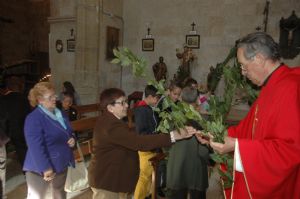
[266, 143]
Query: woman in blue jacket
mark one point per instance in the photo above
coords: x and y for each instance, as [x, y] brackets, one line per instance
[50, 140]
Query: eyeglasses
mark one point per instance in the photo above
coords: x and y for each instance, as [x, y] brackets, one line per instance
[50, 98]
[123, 103]
[245, 65]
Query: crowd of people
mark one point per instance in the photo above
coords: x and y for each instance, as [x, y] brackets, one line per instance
[265, 144]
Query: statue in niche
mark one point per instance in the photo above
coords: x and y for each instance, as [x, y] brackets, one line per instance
[160, 69]
[289, 40]
[186, 57]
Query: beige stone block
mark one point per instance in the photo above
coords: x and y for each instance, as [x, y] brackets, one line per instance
[247, 9]
[216, 27]
[62, 8]
[111, 6]
[230, 2]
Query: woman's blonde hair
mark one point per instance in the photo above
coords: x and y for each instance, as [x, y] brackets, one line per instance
[38, 91]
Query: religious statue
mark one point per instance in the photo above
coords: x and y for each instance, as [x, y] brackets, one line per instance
[289, 40]
[214, 76]
[212, 80]
[160, 69]
[186, 57]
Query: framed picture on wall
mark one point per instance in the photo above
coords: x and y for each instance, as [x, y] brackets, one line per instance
[192, 41]
[112, 41]
[71, 45]
[147, 44]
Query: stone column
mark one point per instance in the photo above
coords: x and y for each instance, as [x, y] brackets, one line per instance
[86, 75]
[62, 20]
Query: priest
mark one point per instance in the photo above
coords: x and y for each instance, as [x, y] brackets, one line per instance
[266, 143]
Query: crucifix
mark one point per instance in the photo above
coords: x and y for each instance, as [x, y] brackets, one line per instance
[193, 26]
[148, 31]
[266, 15]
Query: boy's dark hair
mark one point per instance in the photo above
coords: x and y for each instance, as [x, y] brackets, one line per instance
[150, 90]
[189, 82]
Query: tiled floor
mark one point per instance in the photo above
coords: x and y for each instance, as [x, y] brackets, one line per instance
[16, 186]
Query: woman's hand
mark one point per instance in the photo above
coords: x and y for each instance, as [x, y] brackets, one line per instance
[49, 175]
[71, 142]
[184, 133]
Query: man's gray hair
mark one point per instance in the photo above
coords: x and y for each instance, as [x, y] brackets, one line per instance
[189, 95]
[259, 42]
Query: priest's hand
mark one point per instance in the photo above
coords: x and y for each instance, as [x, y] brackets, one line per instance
[228, 146]
[203, 138]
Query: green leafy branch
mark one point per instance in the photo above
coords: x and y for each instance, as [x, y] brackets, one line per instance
[125, 57]
[181, 112]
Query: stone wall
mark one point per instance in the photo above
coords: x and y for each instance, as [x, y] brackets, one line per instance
[61, 20]
[219, 23]
[170, 21]
[87, 68]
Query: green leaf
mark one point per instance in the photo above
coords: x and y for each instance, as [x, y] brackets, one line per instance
[115, 61]
[216, 158]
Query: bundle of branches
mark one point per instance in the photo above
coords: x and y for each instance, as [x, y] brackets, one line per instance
[181, 112]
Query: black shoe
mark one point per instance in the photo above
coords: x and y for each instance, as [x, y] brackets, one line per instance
[148, 197]
[161, 193]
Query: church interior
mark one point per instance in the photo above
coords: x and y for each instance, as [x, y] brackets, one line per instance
[73, 40]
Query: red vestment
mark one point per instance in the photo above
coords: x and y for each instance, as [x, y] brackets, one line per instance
[269, 141]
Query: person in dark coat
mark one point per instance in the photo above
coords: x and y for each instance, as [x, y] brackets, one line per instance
[187, 168]
[66, 106]
[14, 108]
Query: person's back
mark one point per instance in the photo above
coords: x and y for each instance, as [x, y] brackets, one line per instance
[145, 124]
[15, 107]
[187, 170]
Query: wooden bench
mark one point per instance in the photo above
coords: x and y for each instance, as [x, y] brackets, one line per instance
[83, 110]
[85, 126]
